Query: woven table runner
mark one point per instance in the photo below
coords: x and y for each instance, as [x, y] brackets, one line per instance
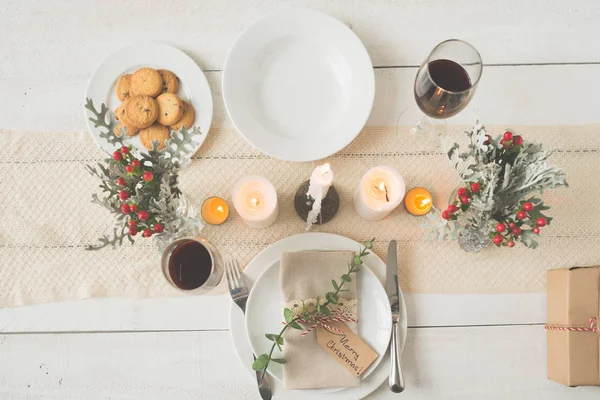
[46, 217]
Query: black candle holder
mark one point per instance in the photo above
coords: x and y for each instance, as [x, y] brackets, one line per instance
[329, 206]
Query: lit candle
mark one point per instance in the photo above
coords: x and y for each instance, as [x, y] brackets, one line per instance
[215, 210]
[380, 191]
[255, 200]
[320, 182]
[418, 201]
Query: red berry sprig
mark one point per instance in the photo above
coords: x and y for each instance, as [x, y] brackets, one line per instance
[523, 222]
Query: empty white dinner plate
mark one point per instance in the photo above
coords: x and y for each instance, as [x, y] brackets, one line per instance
[193, 86]
[298, 85]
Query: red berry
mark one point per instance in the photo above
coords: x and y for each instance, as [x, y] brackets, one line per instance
[541, 221]
[498, 240]
[121, 181]
[528, 206]
[536, 230]
[133, 207]
[464, 200]
[488, 140]
[123, 195]
[129, 168]
[516, 231]
[507, 136]
[158, 228]
[500, 227]
[452, 208]
[445, 214]
[124, 149]
[143, 215]
[131, 223]
[125, 209]
[148, 176]
[511, 225]
[475, 187]
[521, 215]
[461, 192]
[135, 163]
[510, 243]
[117, 156]
[147, 233]
[518, 140]
[132, 230]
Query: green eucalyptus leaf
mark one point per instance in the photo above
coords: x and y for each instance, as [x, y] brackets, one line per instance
[346, 278]
[261, 362]
[288, 315]
[325, 311]
[278, 360]
[332, 297]
[335, 285]
[295, 325]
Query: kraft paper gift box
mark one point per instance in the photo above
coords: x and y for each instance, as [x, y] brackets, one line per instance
[573, 341]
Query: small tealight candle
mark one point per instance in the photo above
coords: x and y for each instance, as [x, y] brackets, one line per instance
[255, 200]
[215, 210]
[380, 191]
[418, 201]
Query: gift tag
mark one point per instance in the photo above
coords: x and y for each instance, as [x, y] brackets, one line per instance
[346, 347]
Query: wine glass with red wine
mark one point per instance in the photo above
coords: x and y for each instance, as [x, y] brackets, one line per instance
[444, 85]
[192, 265]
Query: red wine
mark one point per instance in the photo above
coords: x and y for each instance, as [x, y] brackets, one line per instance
[190, 265]
[455, 82]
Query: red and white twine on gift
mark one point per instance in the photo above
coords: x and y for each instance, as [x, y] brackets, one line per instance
[324, 322]
[592, 328]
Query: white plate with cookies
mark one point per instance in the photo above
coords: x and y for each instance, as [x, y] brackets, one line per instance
[152, 89]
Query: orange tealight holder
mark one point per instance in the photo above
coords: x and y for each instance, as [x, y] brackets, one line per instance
[418, 201]
[215, 210]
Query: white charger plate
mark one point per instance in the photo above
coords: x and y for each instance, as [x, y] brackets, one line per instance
[266, 259]
[193, 86]
[298, 85]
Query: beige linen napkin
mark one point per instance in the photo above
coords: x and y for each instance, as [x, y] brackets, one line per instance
[303, 276]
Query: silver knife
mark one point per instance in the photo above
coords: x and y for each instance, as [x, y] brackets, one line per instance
[396, 379]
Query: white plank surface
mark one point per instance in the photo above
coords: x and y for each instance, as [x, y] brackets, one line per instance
[454, 363]
[70, 37]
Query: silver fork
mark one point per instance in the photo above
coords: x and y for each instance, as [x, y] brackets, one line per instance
[238, 289]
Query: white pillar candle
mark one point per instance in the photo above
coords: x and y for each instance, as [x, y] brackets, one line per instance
[320, 182]
[255, 200]
[380, 191]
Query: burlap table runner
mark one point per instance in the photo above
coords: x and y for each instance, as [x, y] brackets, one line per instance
[46, 217]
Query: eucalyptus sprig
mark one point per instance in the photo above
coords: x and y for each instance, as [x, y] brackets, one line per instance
[262, 361]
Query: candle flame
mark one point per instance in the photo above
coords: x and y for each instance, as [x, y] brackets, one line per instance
[254, 201]
[325, 169]
[220, 209]
[424, 202]
[382, 186]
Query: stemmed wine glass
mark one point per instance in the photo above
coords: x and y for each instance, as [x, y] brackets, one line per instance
[445, 83]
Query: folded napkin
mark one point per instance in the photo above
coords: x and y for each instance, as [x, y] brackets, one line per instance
[304, 276]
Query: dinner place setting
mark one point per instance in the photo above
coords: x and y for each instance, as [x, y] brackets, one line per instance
[312, 220]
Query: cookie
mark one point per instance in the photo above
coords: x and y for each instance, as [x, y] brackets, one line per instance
[146, 82]
[170, 109]
[120, 113]
[188, 118]
[130, 130]
[170, 81]
[141, 111]
[155, 132]
[123, 88]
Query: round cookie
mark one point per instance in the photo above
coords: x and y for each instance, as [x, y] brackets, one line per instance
[170, 109]
[141, 111]
[170, 81]
[129, 129]
[123, 88]
[146, 82]
[120, 113]
[155, 132]
[188, 118]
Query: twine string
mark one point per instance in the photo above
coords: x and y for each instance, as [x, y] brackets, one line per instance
[593, 327]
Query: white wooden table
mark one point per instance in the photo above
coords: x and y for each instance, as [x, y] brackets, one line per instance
[542, 63]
